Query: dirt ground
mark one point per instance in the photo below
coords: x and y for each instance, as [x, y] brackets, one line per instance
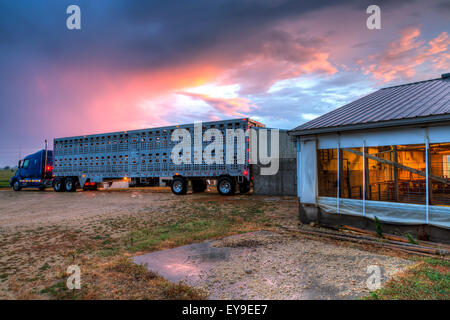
[42, 233]
[31, 208]
[272, 265]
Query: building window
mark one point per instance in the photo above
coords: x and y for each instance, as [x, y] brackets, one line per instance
[327, 172]
[439, 155]
[380, 174]
[396, 173]
[393, 173]
[351, 173]
[412, 175]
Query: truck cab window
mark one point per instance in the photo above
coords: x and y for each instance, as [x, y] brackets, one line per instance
[26, 163]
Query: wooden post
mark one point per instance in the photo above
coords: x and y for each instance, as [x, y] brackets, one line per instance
[341, 171]
[395, 160]
[349, 187]
[367, 175]
[429, 182]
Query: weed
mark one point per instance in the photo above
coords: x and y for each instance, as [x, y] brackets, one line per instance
[60, 291]
[44, 267]
[410, 239]
[378, 227]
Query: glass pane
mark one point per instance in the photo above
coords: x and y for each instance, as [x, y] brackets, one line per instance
[381, 175]
[351, 177]
[327, 167]
[440, 174]
[412, 174]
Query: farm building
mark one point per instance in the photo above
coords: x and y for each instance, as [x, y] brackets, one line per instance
[386, 155]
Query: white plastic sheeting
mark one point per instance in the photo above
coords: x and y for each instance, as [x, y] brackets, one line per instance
[308, 172]
[393, 212]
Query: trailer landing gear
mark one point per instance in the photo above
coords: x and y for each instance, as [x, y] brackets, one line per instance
[198, 185]
[244, 187]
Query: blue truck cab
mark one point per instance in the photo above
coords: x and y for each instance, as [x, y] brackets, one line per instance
[34, 171]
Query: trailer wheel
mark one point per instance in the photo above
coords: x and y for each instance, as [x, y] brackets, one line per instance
[70, 185]
[179, 186]
[58, 185]
[198, 185]
[244, 187]
[16, 185]
[226, 186]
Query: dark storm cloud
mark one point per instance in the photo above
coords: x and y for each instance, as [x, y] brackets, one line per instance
[122, 36]
[145, 34]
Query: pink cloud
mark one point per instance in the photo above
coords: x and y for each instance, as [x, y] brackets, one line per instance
[285, 56]
[230, 107]
[403, 57]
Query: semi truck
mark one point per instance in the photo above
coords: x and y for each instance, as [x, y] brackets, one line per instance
[34, 171]
[141, 157]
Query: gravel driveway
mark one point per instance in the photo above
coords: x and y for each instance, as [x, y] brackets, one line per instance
[30, 207]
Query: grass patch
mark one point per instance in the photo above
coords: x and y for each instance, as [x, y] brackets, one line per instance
[149, 285]
[429, 280]
[181, 291]
[201, 223]
[60, 291]
[5, 176]
[138, 272]
[108, 251]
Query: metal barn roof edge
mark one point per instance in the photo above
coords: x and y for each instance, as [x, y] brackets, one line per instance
[413, 103]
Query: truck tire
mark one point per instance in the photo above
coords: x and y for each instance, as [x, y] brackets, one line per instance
[244, 187]
[58, 185]
[198, 185]
[70, 185]
[179, 186]
[16, 185]
[41, 188]
[226, 186]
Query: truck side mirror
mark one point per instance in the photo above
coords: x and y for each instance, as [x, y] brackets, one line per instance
[19, 164]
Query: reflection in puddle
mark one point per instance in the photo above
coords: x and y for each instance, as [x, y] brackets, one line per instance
[179, 264]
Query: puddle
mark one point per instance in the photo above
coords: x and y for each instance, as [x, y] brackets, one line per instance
[185, 263]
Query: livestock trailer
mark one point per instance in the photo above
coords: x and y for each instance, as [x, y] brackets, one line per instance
[142, 156]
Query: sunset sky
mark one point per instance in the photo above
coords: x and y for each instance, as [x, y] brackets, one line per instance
[138, 64]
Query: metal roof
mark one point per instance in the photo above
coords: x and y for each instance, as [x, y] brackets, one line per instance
[412, 103]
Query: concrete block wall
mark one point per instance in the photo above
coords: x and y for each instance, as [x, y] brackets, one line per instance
[284, 183]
